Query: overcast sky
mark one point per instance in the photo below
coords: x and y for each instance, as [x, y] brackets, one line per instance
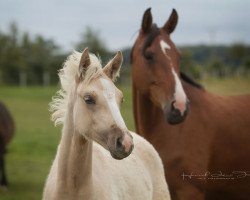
[200, 21]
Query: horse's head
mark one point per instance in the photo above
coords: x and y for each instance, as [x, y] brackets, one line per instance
[97, 108]
[155, 60]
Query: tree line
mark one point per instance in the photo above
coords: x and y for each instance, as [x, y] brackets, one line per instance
[217, 60]
[34, 60]
[25, 59]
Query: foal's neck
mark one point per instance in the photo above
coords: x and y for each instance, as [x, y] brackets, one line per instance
[74, 157]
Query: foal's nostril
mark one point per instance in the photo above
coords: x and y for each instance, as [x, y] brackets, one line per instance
[123, 146]
[119, 145]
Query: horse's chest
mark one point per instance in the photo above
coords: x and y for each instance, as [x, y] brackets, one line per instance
[181, 149]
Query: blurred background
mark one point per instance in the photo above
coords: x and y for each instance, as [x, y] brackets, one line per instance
[37, 36]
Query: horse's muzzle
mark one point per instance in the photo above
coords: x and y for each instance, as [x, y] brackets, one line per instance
[174, 115]
[123, 146]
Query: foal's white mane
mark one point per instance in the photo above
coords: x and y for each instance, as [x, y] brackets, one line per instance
[68, 75]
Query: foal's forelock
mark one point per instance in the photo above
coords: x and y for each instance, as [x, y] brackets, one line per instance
[67, 75]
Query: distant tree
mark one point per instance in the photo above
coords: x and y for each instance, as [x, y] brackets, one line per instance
[10, 55]
[186, 60]
[188, 65]
[25, 61]
[3, 44]
[238, 51]
[91, 38]
[217, 68]
[13, 33]
[247, 63]
[42, 54]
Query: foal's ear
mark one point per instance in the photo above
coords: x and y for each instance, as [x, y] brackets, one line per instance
[84, 62]
[112, 69]
[171, 23]
[146, 21]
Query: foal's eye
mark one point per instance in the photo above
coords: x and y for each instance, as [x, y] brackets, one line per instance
[89, 99]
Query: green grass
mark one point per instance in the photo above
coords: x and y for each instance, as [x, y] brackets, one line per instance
[33, 148]
[34, 144]
[233, 86]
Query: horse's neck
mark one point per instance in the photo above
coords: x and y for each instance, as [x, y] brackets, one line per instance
[145, 112]
[147, 115]
[74, 157]
[198, 97]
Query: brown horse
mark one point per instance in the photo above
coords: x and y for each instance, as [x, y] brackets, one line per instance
[7, 129]
[206, 151]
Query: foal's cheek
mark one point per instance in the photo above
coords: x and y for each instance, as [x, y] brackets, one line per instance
[100, 138]
[82, 121]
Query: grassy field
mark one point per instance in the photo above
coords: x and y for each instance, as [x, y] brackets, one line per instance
[32, 150]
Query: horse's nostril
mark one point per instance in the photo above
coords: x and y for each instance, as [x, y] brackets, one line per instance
[172, 105]
[174, 110]
[119, 145]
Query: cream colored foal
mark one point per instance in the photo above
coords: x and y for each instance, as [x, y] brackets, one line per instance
[89, 161]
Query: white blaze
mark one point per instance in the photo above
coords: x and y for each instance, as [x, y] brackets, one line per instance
[164, 46]
[180, 96]
[109, 94]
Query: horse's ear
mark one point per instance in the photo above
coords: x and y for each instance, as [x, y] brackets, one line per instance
[146, 21]
[84, 62]
[112, 69]
[171, 23]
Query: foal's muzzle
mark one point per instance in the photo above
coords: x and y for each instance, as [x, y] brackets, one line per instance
[123, 146]
[174, 115]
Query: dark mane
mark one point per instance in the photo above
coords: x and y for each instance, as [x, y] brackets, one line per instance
[154, 31]
[190, 81]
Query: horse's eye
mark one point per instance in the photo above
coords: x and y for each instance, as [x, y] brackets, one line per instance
[149, 55]
[89, 99]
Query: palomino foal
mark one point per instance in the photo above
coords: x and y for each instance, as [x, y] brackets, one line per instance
[88, 107]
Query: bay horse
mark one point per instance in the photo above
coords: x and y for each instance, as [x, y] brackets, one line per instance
[202, 138]
[7, 129]
[88, 107]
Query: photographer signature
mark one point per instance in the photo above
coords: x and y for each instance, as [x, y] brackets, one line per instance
[219, 175]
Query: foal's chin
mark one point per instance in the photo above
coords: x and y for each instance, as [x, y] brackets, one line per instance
[120, 156]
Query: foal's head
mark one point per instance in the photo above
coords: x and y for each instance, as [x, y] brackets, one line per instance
[156, 72]
[96, 104]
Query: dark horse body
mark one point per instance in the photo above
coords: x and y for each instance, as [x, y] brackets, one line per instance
[206, 154]
[6, 133]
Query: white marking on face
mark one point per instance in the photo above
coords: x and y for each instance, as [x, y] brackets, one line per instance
[164, 46]
[109, 94]
[180, 96]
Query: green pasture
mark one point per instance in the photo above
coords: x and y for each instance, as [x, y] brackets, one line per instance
[31, 152]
